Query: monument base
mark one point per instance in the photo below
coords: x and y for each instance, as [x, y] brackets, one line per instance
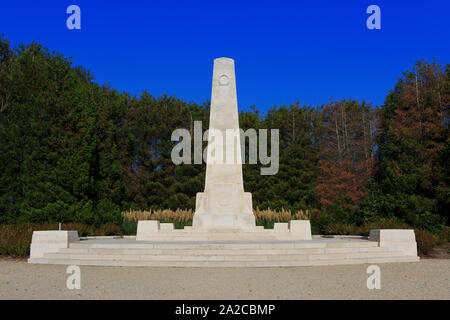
[207, 221]
[223, 206]
[229, 247]
[294, 230]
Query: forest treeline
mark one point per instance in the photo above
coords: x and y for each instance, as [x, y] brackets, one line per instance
[76, 151]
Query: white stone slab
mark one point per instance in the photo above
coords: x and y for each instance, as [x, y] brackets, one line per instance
[146, 228]
[397, 239]
[50, 241]
[301, 228]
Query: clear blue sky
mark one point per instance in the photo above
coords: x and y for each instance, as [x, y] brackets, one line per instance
[310, 51]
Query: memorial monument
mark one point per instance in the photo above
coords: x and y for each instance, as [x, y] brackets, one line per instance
[224, 202]
[223, 233]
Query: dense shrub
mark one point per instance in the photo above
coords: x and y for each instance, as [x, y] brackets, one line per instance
[338, 228]
[129, 227]
[426, 241]
[444, 235]
[15, 240]
[343, 229]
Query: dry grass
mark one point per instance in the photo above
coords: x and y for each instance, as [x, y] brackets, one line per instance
[302, 215]
[186, 216]
[178, 215]
[281, 216]
[136, 215]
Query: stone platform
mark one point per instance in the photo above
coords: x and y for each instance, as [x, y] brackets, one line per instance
[221, 253]
[292, 230]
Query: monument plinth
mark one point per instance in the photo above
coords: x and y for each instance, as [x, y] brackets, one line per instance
[224, 202]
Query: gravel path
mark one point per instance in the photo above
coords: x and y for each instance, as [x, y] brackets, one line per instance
[427, 279]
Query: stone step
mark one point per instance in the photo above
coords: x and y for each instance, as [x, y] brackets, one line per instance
[226, 237]
[226, 245]
[219, 257]
[208, 251]
[256, 234]
[229, 263]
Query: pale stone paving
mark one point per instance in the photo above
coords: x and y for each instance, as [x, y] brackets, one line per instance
[426, 279]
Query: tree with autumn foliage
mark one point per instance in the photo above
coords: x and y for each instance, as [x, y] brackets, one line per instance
[346, 155]
[413, 148]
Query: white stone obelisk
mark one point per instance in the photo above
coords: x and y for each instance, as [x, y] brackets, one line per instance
[224, 202]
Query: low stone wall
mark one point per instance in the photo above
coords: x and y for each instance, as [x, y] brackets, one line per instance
[50, 241]
[399, 239]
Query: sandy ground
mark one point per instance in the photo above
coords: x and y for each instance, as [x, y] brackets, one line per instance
[427, 279]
